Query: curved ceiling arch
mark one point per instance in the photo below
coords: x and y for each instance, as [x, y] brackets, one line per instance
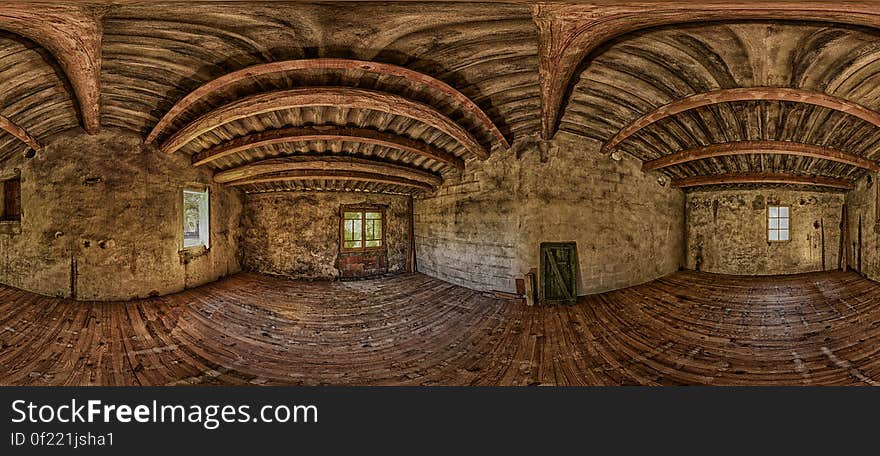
[743, 94]
[338, 97]
[325, 133]
[337, 164]
[72, 35]
[569, 33]
[383, 69]
[760, 147]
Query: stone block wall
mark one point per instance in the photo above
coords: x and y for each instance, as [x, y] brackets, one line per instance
[482, 229]
[297, 235]
[862, 208]
[727, 231]
[102, 219]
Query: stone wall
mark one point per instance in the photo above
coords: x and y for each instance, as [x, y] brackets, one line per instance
[727, 231]
[483, 228]
[297, 234]
[862, 204]
[102, 220]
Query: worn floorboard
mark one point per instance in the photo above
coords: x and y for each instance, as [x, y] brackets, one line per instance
[686, 328]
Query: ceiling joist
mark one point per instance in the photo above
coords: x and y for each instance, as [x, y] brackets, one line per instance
[20, 133]
[763, 178]
[744, 94]
[328, 163]
[338, 97]
[569, 32]
[456, 98]
[319, 175]
[760, 147]
[326, 133]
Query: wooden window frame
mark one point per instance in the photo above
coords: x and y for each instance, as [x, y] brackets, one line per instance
[363, 209]
[767, 231]
[195, 189]
[4, 217]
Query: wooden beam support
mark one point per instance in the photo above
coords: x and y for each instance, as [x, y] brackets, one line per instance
[330, 175]
[569, 32]
[338, 97]
[763, 178]
[20, 133]
[327, 163]
[326, 133]
[744, 94]
[72, 34]
[760, 147]
[456, 98]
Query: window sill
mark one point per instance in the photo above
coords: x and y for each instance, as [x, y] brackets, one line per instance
[188, 254]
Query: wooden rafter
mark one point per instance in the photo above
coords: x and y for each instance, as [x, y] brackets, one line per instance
[744, 94]
[456, 98]
[327, 163]
[339, 97]
[760, 147]
[325, 133]
[763, 178]
[72, 35]
[310, 175]
[569, 32]
[20, 133]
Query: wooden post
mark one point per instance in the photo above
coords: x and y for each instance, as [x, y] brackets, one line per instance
[822, 239]
[843, 256]
[411, 245]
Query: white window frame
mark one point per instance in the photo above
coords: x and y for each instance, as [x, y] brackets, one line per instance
[204, 239]
[778, 225]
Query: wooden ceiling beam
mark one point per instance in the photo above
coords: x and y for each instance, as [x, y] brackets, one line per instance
[760, 147]
[338, 97]
[570, 32]
[326, 133]
[744, 94]
[457, 99]
[331, 175]
[763, 178]
[327, 163]
[20, 133]
[72, 34]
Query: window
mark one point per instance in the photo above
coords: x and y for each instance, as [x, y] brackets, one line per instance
[362, 228]
[196, 217]
[777, 223]
[11, 200]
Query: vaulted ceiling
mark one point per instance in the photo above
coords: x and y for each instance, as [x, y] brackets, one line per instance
[393, 97]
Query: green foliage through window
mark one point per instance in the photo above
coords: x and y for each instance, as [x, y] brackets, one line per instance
[362, 229]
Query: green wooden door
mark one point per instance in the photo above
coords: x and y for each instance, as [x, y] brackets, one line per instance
[559, 272]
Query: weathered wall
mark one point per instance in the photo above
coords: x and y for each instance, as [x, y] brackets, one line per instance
[727, 231]
[297, 234]
[862, 203]
[102, 218]
[483, 229]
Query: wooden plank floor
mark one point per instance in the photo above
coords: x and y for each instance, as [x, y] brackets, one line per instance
[687, 328]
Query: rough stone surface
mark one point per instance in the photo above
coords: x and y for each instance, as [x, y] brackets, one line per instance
[727, 231]
[862, 203]
[102, 218]
[297, 234]
[483, 229]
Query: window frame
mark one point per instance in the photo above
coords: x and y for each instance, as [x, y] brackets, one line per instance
[767, 231]
[207, 241]
[5, 218]
[363, 209]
